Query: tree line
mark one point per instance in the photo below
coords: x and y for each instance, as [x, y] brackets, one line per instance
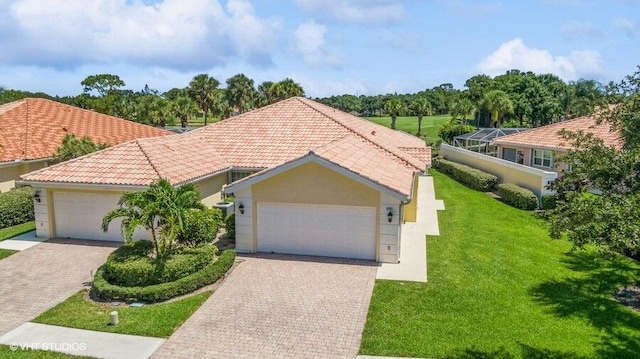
[513, 99]
[203, 97]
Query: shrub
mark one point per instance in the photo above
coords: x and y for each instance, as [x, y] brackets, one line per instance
[230, 225]
[131, 266]
[450, 130]
[201, 226]
[468, 176]
[517, 196]
[548, 201]
[16, 207]
[159, 292]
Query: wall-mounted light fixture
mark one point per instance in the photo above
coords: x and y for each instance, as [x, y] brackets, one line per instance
[36, 196]
[390, 214]
[241, 208]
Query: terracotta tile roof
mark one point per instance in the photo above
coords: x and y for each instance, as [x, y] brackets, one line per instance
[549, 136]
[33, 128]
[260, 139]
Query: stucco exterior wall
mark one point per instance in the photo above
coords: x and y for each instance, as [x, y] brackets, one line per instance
[211, 189]
[10, 173]
[507, 172]
[411, 209]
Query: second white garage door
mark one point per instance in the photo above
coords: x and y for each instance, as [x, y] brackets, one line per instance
[79, 215]
[318, 230]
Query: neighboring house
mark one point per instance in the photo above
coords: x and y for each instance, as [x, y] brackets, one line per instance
[307, 178]
[541, 147]
[32, 129]
[483, 139]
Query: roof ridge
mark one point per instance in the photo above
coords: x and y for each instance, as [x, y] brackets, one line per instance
[137, 141]
[359, 134]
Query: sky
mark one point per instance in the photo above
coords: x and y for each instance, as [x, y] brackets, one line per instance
[330, 47]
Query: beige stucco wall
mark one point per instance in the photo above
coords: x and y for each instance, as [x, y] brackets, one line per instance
[411, 209]
[557, 166]
[211, 189]
[507, 172]
[10, 173]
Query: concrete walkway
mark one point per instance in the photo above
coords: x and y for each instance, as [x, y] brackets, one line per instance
[80, 342]
[413, 254]
[21, 242]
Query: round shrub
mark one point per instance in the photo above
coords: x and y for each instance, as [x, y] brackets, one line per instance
[16, 207]
[548, 201]
[159, 292]
[201, 227]
[517, 196]
[132, 266]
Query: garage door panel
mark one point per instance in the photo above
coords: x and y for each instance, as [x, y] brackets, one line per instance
[334, 231]
[79, 215]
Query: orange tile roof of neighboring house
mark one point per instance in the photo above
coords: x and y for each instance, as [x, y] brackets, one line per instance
[549, 136]
[33, 128]
[260, 139]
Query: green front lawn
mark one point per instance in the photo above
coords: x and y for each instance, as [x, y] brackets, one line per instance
[430, 125]
[498, 286]
[153, 320]
[4, 253]
[6, 352]
[11, 232]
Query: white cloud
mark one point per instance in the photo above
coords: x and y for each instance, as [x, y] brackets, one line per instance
[310, 41]
[376, 12]
[627, 26]
[180, 34]
[577, 30]
[514, 54]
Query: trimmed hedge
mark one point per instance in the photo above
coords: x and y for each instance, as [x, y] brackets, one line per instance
[230, 225]
[131, 266]
[16, 207]
[468, 176]
[517, 196]
[160, 292]
[548, 201]
[201, 227]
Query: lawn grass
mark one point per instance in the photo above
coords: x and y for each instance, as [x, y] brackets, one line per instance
[13, 231]
[153, 320]
[430, 125]
[6, 352]
[4, 253]
[498, 286]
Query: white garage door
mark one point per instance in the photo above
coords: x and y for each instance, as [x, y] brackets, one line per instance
[331, 231]
[79, 215]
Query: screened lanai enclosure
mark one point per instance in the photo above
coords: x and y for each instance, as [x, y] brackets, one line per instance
[481, 141]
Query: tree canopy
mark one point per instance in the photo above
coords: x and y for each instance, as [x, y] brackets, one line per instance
[72, 147]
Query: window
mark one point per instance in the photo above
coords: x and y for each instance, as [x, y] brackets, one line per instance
[236, 175]
[542, 158]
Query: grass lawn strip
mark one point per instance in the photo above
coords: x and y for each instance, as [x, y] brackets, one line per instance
[430, 125]
[498, 286]
[16, 230]
[4, 253]
[153, 320]
[6, 352]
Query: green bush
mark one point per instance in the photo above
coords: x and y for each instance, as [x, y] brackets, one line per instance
[230, 225]
[468, 176]
[131, 266]
[450, 130]
[548, 201]
[201, 227]
[517, 196]
[159, 292]
[16, 207]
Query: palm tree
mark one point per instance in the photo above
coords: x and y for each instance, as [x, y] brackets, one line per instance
[421, 107]
[499, 104]
[184, 108]
[240, 92]
[291, 88]
[394, 107]
[463, 108]
[161, 209]
[202, 89]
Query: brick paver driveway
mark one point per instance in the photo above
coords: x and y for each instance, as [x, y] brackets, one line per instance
[40, 277]
[280, 306]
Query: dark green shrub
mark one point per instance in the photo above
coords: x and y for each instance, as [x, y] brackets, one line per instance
[131, 265]
[548, 201]
[517, 196]
[201, 227]
[230, 225]
[159, 292]
[16, 207]
[450, 130]
[468, 176]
